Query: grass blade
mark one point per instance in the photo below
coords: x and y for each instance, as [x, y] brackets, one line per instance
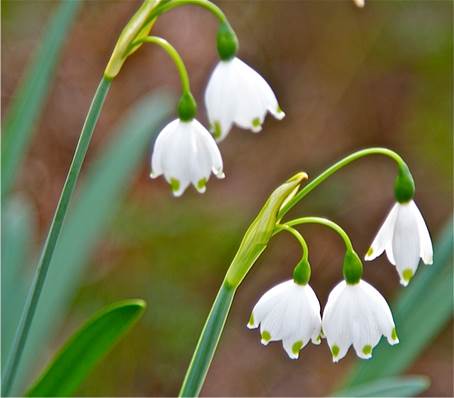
[100, 195]
[31, 94]
[86, 348]
[421, 311]
[388, 387]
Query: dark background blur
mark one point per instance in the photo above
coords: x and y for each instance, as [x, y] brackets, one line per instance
[347, 78]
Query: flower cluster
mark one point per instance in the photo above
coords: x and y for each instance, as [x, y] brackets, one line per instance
[356, 314]
[185, 152]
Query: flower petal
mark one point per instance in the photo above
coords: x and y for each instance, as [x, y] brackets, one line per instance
[425, 242]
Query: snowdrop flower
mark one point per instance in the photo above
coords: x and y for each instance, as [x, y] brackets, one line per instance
[289, 312]
[185, 153]
[236, 93]
[405, 238]
[356, 314]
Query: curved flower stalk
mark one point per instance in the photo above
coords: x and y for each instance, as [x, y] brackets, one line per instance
[357, 314]
[236, 93]
[405, 238]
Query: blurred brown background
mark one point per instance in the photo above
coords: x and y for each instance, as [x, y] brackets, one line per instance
[347, 78]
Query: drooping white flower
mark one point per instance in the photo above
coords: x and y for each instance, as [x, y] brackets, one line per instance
[236, 93]
[185, 153]
[359, 315]
[405, 238]
[289, 312]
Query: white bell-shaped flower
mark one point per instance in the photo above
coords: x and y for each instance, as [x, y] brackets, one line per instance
[289, 312]
[185, 153]
[236, 93]
[356, 314]
[405, 238]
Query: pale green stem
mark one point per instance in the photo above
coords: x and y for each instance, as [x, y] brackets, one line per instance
[208, 5]
[170, 50]
[335, 167]
[325, 222]
[28, 313]
[297, 235]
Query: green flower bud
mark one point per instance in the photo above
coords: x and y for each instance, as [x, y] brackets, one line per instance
[227, 42]
[261, 230]
[404, 186]
[187, 107]
[302, 272]
[353, 267]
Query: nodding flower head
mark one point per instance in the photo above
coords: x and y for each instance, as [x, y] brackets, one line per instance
[289, 312]
[359, 315]
[186, 153]
[405, 238]
[236, 93]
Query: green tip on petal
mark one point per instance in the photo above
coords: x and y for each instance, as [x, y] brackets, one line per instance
[256, 122]
[407, 274]
[394, 334]
[216, 130]
[251, 320]
[319, 339]
[202, 183]
[266, 336]
[367, 349]
[296, 347]
[279, 109]
[335, 350]
[174, 184]
[369, 252]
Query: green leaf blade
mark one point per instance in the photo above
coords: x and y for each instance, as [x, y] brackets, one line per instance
[86, 348]
[388, 387]
[29, 97]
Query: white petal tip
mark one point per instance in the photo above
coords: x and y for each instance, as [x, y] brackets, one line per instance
[220, 175]
[251, 326]
[393, 342]
[154, 175]
[279, 115]
[264, 342]
[256, 129]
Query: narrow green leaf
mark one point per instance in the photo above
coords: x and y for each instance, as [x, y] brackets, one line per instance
[100, 195]
[86, 348]
[389, 387]
[422, 310]
[18, 228]
[31, 94]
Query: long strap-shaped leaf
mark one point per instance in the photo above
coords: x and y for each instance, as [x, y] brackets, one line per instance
[390, 387]
[86, 348]
[30, 96]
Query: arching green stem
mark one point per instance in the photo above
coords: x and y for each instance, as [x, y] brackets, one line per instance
[170, 50]
[297, 235]
[337, 166]
[325, 222]
[208, 5]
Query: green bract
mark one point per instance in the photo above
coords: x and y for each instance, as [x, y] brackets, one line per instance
[260, 231]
